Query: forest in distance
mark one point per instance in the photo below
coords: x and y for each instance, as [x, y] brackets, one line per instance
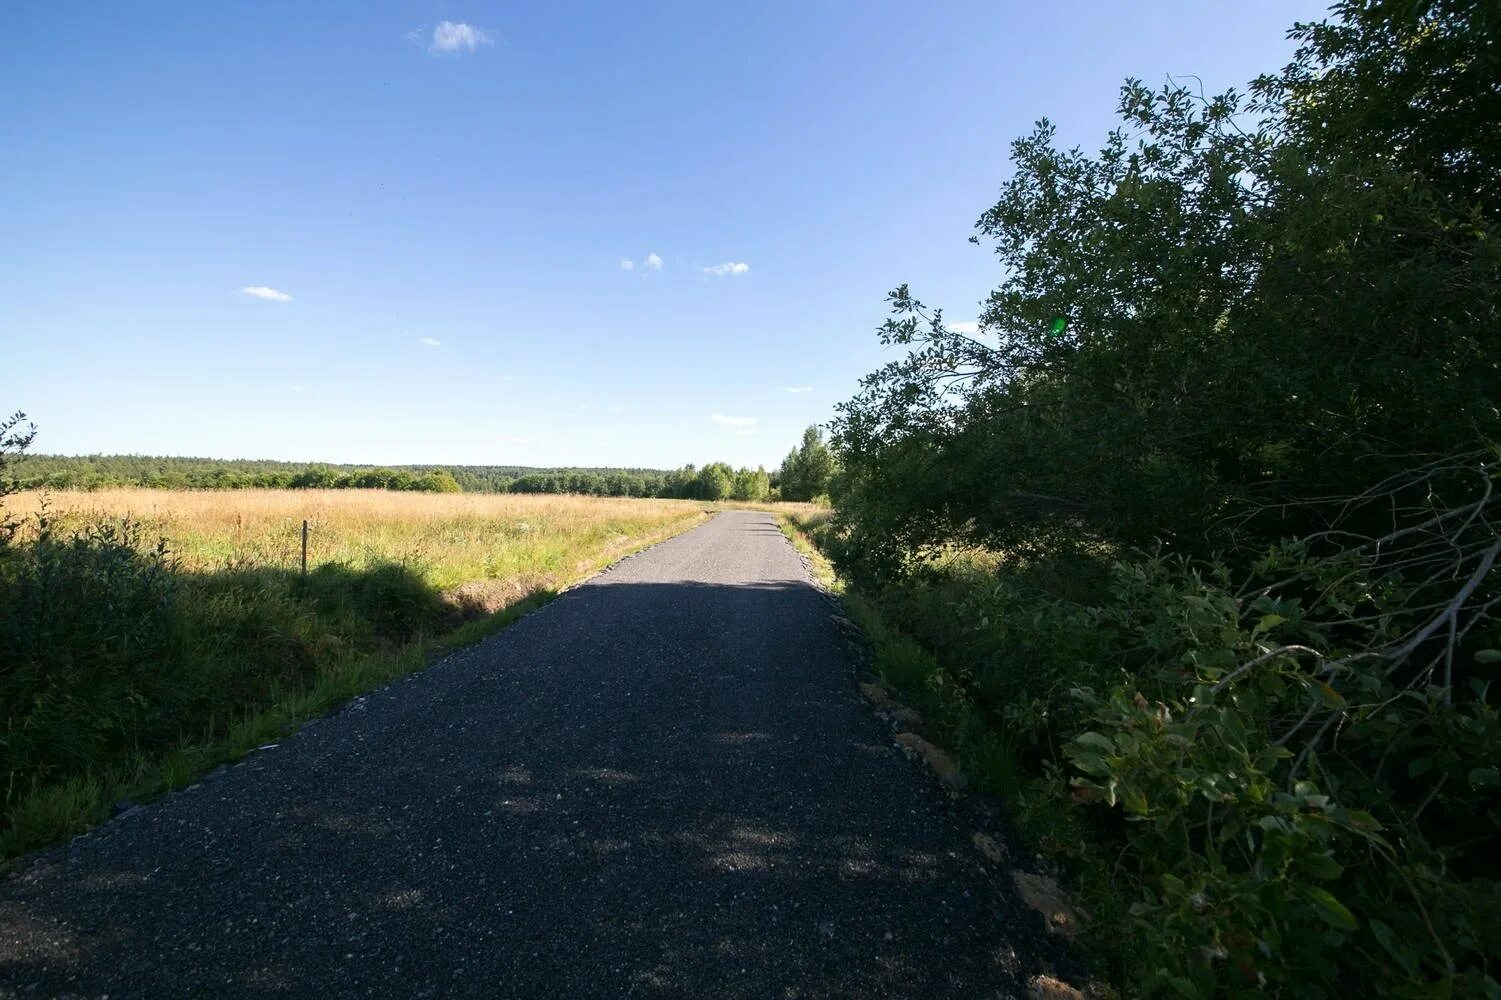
[803, 475]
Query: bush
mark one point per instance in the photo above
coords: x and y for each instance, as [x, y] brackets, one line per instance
[85, 628]
[108, 651]
[1282, 780]
[1264, 852]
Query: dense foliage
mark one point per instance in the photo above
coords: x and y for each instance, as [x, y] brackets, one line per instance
[1225, 445]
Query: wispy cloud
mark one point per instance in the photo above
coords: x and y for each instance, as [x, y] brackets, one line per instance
[728, 267]
[797, 388]
[429, 341]
[720, 418]
[969, 328]
[450, 37]
[268, 294]
[297, 388]
[627, 265]
[654, 262]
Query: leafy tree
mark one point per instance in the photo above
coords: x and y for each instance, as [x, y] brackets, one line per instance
[438, 481]
[807, 469]
[716, 481]
[753, 485]
[1147, 363]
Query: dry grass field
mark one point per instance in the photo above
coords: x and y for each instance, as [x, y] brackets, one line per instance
[451, 539]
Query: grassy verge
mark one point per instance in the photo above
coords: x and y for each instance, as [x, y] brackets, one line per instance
[952, 718]
[129, 671]
[986, 749]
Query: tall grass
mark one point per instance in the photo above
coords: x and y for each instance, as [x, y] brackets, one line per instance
[450, 539]
[145, 636]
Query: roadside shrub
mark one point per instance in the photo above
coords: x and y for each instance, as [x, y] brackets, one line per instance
[108, 650]
[392, 601]
[1280, 779]
[1302, 815]
[85, 630]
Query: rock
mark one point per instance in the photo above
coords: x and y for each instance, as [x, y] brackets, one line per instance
[874, 693]
[906, 718]
[994, 852]
[1043, 895]
[1048, 988]
[942, 764]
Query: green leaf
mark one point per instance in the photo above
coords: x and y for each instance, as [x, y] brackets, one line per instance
[1089, 763]
[1322, 866]
[1096, 740]
[1332, 910]
[1267, 623]
[1488, 656]
[1387, 938]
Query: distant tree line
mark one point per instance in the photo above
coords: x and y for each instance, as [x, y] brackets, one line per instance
[95, 472]
[715, 481]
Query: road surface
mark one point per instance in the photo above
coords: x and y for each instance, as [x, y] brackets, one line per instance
[661, 784]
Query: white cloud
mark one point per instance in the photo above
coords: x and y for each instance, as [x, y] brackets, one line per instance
[968, 328]
[262, 292]
[654, 262]
[627, 265]
[720, 418]
[746, 431]
[429, 341]
[456, 36]
[728, 267]
[504, 378]
[297, 388]
[797, 388]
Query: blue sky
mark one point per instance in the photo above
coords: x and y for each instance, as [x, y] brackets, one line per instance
[447, 194]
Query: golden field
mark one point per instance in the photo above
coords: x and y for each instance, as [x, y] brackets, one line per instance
[529, 540]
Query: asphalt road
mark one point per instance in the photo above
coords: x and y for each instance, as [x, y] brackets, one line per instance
[661, 784]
